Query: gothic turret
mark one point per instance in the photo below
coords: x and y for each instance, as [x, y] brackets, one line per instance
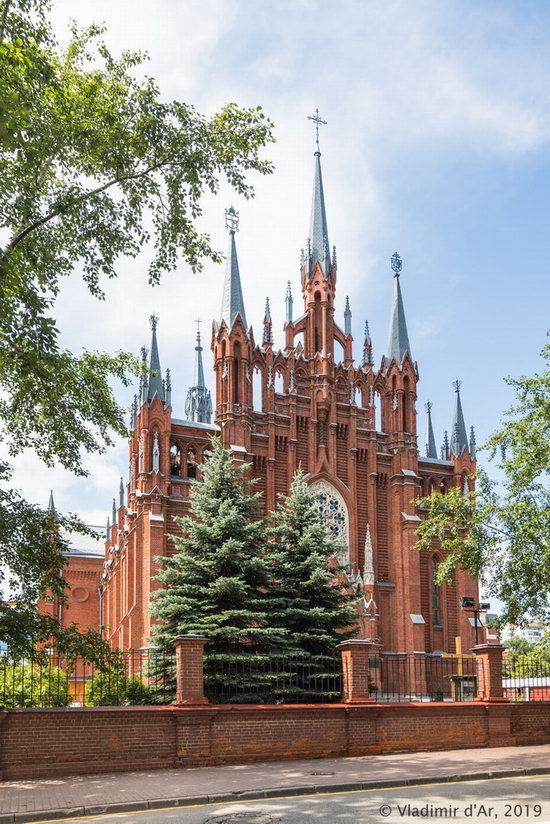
[367, 346]
[288, 303]
[459, 438]
[232, 300]
[472, 442]
[155, 385]
[268, 324]
[398, 339]
[51, 505]
[430, 449]
[121, 493]
[198, 405]
[347, 318]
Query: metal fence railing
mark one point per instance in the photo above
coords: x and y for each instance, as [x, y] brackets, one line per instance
[273, 679]
[401, 677]
[124, 678]
[525, 679]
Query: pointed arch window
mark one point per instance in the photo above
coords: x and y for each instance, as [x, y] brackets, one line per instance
[436, 596]
[175, 461]
[191, 461]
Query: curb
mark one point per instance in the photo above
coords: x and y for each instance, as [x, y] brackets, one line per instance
[257, 795]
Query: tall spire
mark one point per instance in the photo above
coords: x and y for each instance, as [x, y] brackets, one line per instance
[445, 447]
[430, 449]
[318, 245]
[288, 302]
[155, 376]
[318, 227]
[398, 339]
[114, 511]
[347, 318]
[198, 404]
[472, 442]
[459, 438]
[232, 300]
[121, 492]
[51, 505]
[268, 324]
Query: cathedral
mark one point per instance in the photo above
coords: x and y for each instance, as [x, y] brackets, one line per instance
[352, 428]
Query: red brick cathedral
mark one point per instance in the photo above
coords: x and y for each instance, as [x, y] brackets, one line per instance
[351, 427]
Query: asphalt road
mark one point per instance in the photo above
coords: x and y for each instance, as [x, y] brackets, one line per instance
[504, 800]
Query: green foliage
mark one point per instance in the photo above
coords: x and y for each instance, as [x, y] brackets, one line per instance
[111, 687]
[32, 684]
[314, 607]
[216, 584]
[90, 155]
[503, 533]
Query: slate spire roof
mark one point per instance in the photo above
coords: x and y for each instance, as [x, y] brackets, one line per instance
[430, 449]
[155, 386]
[51, 504]
[232, 299]
[459, 438]
[347, 318]
[398, 338]
[198, 404]
[318, 227]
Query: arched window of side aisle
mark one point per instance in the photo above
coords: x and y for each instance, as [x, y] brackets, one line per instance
[175, 461]
[191, 460]
[436, 596]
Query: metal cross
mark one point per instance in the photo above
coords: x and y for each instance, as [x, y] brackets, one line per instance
[318, 122]
[198, 321]
[153, 320]
[232, 220]
[457, 384]
[428, 407]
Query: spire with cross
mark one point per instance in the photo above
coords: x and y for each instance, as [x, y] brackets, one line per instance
[198, 404]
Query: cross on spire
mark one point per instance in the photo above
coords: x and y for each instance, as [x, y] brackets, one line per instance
[232, 220]
[153, 320]
[198, 321]
[315, 118]
[456, 385]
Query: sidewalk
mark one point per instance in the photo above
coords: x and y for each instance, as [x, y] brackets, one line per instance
[88, 795]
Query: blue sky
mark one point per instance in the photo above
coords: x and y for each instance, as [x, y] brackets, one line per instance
[437, 146]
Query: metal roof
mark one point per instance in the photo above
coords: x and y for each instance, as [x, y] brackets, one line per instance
[232, 299]
[318, 228]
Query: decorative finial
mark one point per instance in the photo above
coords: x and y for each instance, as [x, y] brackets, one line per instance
[153, 320]
[396, 264]
[334, 261]
[198, 321]
[472, 442]
[144, 353]
[318, 122]
[232, 220]
[428, 406]
[456, 385]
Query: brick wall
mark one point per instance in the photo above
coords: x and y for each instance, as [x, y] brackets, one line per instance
[55, 742]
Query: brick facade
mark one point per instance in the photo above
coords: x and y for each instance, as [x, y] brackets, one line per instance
[352, 428]
[58, 742]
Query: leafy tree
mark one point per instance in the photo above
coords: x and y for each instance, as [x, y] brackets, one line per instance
[95, 165]
[111, 687]
[32, 684]
[216, 583]
[502, 532]
[317, 610]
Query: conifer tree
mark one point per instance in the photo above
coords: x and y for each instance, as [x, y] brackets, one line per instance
[216, 584]
[311, 600]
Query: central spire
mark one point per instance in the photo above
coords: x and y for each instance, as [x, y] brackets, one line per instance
[318, 244]
[398, 339]
[232, 300]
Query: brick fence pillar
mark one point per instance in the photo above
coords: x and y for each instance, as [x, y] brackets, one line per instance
[356, 669]
[190, 669]
[489, 672]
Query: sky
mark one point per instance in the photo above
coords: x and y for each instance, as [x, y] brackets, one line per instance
[437, 146]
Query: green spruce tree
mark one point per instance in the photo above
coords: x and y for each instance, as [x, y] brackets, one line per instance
[310, 598]
[216, 584]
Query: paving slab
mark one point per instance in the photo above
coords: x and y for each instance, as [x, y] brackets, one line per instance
[40, 799]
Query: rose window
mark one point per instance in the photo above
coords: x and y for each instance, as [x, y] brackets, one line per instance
[334, 514]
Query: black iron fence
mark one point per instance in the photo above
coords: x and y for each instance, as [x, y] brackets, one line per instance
[135, 677]
[129, 677]
[525, 679]
[273, 679]
[401, 677]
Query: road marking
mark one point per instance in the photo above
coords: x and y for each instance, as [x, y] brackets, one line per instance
[289, 797]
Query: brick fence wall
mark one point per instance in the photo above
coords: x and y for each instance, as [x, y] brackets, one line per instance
[56, 742]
